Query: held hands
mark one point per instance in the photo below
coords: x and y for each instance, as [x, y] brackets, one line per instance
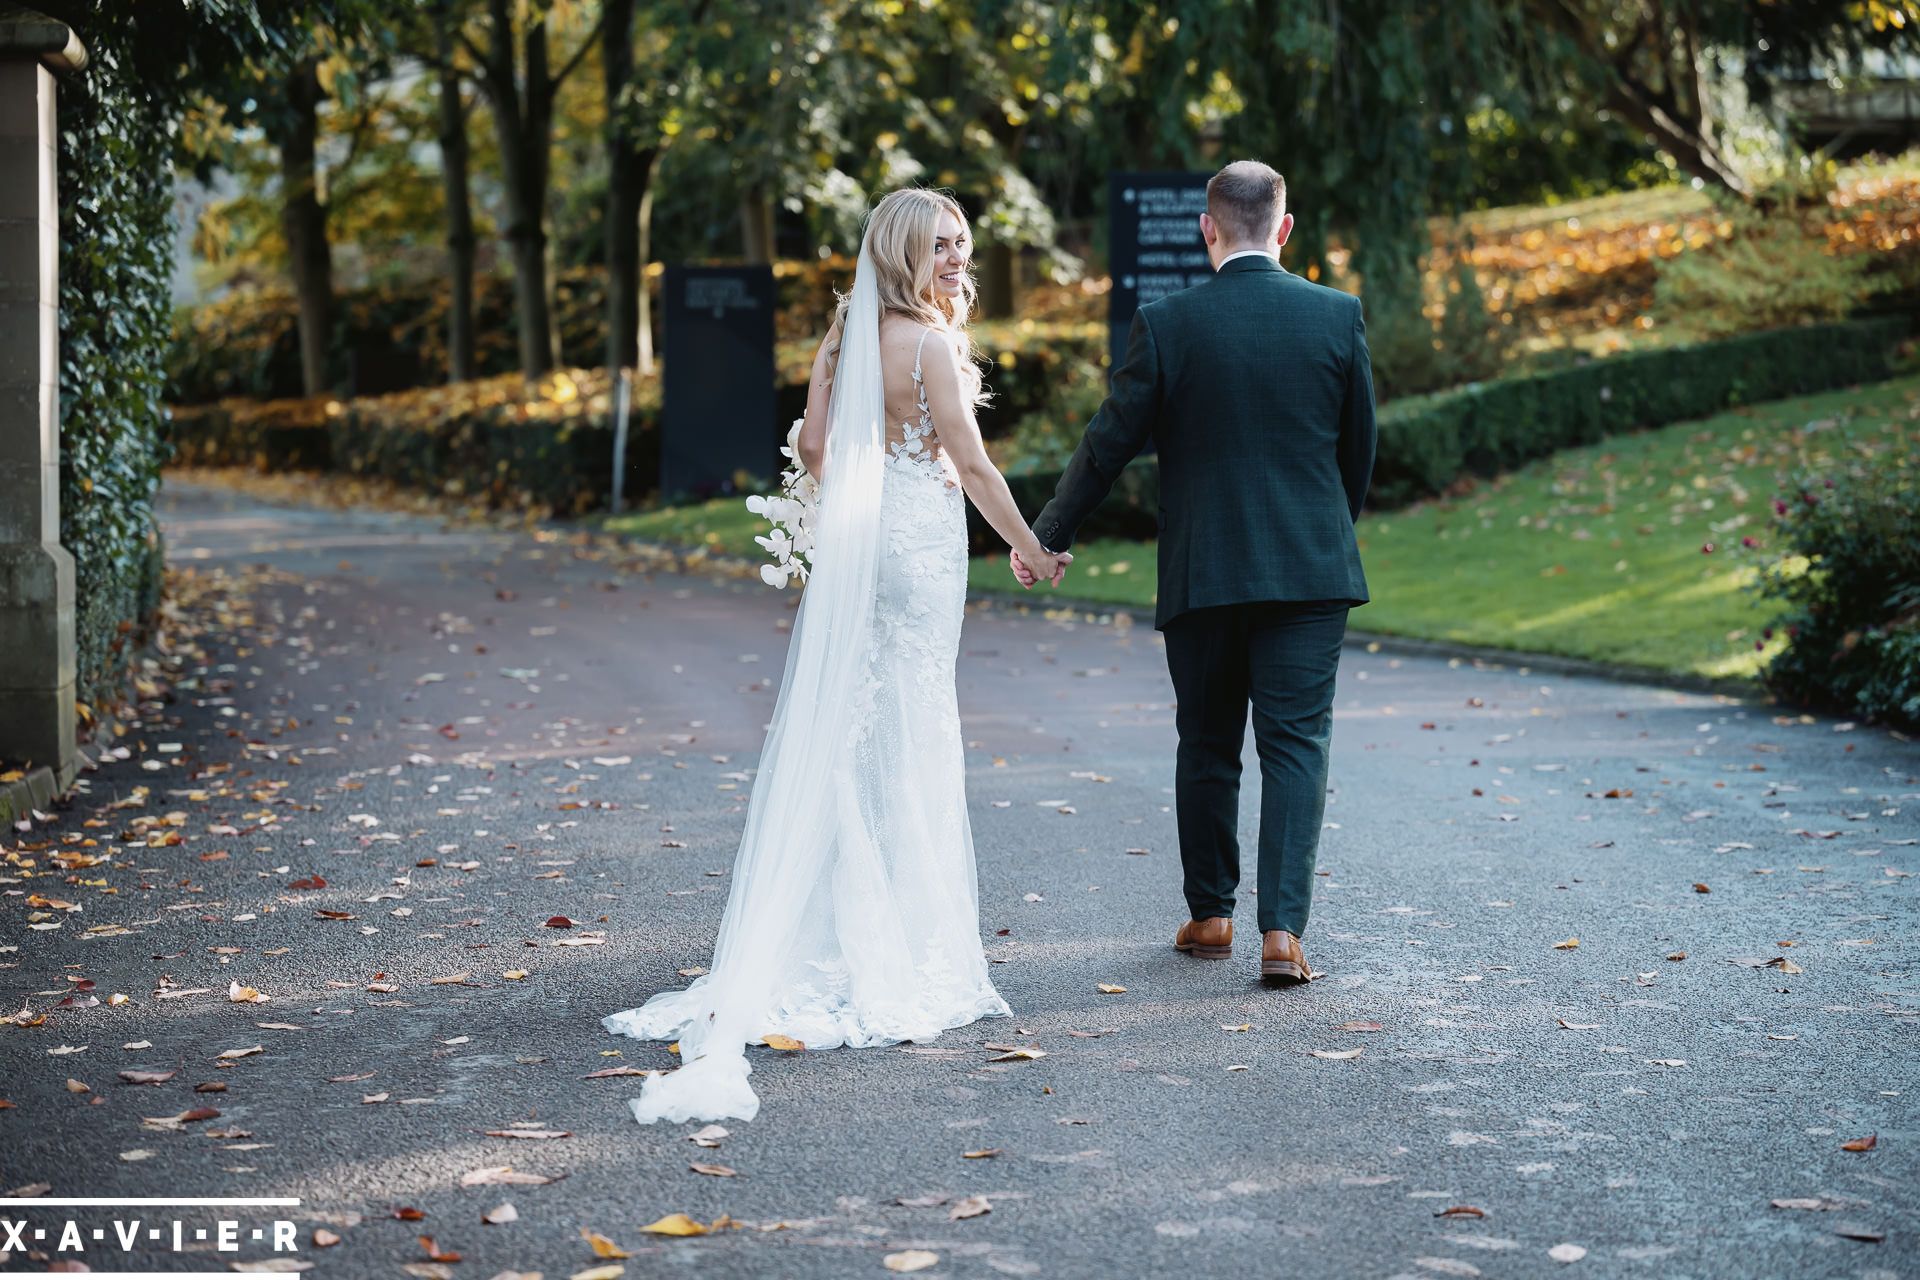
[1045, 566]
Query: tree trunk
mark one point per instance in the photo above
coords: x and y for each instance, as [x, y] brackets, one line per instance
[644, 327]
[626, 178]
[998, 287]
[461, 244]
[756, 224]
[523, 123]
[303, 220]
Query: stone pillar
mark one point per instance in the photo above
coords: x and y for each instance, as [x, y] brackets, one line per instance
[36, 572]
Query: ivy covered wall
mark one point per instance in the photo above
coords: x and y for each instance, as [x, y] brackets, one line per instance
[116, 201]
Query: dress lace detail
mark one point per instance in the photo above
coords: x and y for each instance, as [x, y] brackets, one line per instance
[888, 946]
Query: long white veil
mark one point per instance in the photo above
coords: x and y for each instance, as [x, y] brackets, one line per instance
[797, 811]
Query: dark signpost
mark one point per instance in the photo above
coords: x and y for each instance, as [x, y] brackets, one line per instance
[718, 412]
[1153, 244]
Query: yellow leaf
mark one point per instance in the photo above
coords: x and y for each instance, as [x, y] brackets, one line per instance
[675, 1224]
[1112, 989]
[1568, 945]
[605, 1248]
[787, 1043]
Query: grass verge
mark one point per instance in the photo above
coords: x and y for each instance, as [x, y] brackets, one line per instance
[1630, 551]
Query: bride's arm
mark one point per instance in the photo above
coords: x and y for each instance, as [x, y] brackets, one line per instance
[959, 434]
[813, 427]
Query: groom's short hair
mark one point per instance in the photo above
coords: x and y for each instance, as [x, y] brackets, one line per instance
[1246, 200]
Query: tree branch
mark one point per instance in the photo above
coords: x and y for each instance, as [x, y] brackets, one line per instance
[599, 24]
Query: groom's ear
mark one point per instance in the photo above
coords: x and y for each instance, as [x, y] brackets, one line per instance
[1209, 233]
[1286, 229]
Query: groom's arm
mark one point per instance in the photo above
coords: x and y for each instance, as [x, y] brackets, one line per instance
[1358, 434]
[1117, 433]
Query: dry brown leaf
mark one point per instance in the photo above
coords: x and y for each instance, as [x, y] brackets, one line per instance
[1112, 989]
[1360, 1027]
[1567, 945]
[713, 1170]
[1461, 1211]
[985, 1153]
[676, 1224]
[786, 1043]
[325, 1239]
[1867, 1143]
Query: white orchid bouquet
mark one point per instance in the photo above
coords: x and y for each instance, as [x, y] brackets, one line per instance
[793, 512]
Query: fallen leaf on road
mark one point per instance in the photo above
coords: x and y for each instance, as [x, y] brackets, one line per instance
[605, 1248]
[1018, 1053]
[1577, 1026]
[245, 995]
[1338, 1055]
[971, 1207]
[325, 1239]
[985, 1153]
[676, 1224]
[910, 1260]
[242, 1053]
[1360, 1027]
[1867, 1143]
[1567, 1253]
[528, 1133]
[713, 1170]
[786, 1043]
[500, 1214]
[146, 1077]
[708, 1137]
[1112, 989]
[1567, 945]
[1461, 1211]
[502, 1175]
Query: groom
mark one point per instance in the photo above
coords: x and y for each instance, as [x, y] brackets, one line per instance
[1257, 390]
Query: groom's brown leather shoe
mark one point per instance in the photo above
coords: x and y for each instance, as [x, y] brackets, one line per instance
[1210, 939]
[1282, 963]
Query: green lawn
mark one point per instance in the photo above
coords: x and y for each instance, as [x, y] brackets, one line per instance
[1595, 553]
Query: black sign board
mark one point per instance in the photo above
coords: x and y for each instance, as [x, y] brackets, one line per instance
[1153, 244]
[718, 412]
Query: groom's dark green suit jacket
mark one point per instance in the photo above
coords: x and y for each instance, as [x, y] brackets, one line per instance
[1257, 391]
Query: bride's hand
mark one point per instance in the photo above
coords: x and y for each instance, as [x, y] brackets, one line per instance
[1041, 564]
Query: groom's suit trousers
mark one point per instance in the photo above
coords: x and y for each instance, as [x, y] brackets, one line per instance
[1280, 658]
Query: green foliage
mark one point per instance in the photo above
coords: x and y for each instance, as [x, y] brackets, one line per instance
[1848, 572]
[1451, 341]
[1772, 270]
[115, 266]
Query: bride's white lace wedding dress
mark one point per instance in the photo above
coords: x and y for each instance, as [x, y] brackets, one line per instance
[882, 930]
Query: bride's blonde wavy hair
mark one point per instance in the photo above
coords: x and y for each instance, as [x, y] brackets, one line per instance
[901, 231]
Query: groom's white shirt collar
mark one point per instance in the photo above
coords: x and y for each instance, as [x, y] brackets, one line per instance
[1248, 253]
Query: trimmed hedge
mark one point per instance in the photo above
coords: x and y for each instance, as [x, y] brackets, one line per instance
[1428, 443]
[272, 435]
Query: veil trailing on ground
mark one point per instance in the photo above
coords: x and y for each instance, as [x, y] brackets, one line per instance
[799, 804]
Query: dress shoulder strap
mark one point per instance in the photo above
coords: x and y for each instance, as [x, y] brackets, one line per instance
[916, 353]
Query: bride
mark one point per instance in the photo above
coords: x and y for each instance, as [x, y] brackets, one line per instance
[854, 915]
